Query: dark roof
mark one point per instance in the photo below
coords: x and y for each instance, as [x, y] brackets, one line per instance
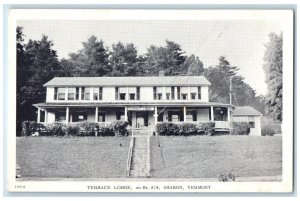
[122, 104]
[129, 81]
[245, 111]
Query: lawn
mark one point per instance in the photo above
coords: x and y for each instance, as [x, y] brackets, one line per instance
[209, 156]
[79, 157]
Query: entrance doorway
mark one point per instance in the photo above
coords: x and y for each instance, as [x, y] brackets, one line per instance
[138, 119]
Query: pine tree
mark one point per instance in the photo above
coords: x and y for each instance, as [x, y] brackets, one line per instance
[273, 70]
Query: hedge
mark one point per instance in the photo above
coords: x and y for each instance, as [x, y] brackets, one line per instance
[185, 129]
[241, 128]
[116, 128]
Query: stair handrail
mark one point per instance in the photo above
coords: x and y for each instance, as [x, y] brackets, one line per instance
[148, 154]
[129, 158]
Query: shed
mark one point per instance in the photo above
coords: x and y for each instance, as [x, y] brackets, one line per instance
[250, 115]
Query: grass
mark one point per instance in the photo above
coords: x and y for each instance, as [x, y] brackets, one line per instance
[209, 156]
[79, 157]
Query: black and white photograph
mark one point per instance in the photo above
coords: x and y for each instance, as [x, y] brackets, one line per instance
[151, 100]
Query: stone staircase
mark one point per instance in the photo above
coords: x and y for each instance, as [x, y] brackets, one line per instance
[139, 159]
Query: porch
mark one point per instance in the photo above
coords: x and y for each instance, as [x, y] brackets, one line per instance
[139, 117]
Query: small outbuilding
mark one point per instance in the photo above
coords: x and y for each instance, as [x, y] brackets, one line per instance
[250, 115]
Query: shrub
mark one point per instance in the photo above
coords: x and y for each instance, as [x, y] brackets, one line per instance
[54, 129]
[87, 128]
[187, 129]
[208, 128]
[241, 128]
[167, 128]
[105, 131]
[267, 130]
[71, 130]
[120, 128]
[227, 177]
[28, 127]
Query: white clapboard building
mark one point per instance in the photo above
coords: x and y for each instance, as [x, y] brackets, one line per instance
[142, 101]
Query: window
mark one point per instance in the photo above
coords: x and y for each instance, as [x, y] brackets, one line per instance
[87, 93]
[199, 93]
[137, 93]
[71, 93]
[191, 115]
[117, 93]
[122, 96]
[77, 93]
[168, 96]
[101, 117]
[193, 96]
[160, 117]
[159, 96]
[184, 96]
[100, 93]
[82, 93]
[154, 93]
[252, 124]
[173, 93]
[178, 93]
[61, 93]
[55, 93]
[119, 115]
[96, 93]
[132, 96]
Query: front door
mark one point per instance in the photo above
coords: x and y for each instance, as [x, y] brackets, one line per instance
[141, 119]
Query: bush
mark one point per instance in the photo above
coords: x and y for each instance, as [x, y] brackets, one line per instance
[267, 130]
[241, 128]
[105, 131]
[29, 127]
[187, 129]
[71, 130]
[168, 128]
[208, 128]
[54, 129]
[120, 128]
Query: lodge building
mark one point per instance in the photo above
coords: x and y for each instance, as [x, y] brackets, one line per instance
[142, 101]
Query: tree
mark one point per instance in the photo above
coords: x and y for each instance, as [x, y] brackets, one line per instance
[273, 70]
[219, 77]
[91, 60]
[169, 58]
[124, 60]
[194, 66]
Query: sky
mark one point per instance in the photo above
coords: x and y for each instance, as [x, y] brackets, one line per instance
[241, 41]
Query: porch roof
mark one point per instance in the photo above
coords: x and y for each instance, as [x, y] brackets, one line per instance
[123, 104]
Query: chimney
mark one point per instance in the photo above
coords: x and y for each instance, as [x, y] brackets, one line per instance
[161, 73]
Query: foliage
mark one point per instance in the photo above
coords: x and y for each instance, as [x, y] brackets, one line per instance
[169, 58]
[267, 130]
[120, 127]
[241, 128]
[207, 127]
[168, 128]
[273, 70]
[28, 127]
[194, 66]
[227, 177]
[54, 129]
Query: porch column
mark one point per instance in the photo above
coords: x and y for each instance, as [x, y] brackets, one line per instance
[125, 114]
[228, 115]
[155, 116]
[39, 115]
[46, 116]
[96, 115]
[67, 115]
[212, 113]
[184, 113]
